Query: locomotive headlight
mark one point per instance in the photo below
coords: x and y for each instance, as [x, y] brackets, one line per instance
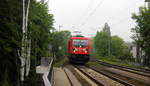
[85, 50]
[75, 49]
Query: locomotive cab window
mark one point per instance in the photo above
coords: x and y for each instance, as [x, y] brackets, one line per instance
[82, 43]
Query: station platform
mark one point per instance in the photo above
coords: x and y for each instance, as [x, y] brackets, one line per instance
[60, 78]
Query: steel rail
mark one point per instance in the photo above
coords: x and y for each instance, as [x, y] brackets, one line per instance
[128, 69]
[113, 78]
[68, 78]
[97, 82]
[136, 69]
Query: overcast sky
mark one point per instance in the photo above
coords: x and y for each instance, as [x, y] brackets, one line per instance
[89, 16]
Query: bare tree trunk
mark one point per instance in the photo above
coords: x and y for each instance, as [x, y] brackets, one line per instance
[28, 42]
[138, 52]
[28, 58]
[24, 54]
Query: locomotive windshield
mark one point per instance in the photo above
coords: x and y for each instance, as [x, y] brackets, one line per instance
[82, 43]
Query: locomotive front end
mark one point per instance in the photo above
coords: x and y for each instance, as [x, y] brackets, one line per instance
[79, 49]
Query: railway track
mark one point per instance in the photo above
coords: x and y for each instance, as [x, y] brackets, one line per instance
[113, 77]
[122, 78]
[99, 78]
[107, 76]
[98, 83]
[131, 75]
[141, 71]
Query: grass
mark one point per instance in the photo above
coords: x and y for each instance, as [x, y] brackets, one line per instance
[60, 62]
[116, 61]
[90, 63]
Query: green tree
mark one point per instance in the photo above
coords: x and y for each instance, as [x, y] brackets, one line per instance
[10, 37]
[66, 37]
[136, 37]
[60, 40]
[39, 30]
[106, 29]
[101, 43]
[39, 25]
[143, 24]
[119, 48]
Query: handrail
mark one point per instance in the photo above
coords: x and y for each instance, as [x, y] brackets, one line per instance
[48, 76]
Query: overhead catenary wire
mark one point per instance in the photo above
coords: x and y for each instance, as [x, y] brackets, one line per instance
[87, 10]
[120, 21]
[91, 13]
[99, 4]
[119, 13]
[122, 11]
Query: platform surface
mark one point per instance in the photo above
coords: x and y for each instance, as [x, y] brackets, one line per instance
[60, 78]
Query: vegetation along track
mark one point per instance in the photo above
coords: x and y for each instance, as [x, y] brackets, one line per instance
[102, 79]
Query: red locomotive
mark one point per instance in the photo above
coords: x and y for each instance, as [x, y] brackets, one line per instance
[79, 49]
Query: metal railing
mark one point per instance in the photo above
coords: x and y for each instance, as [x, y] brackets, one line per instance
[48, 76]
